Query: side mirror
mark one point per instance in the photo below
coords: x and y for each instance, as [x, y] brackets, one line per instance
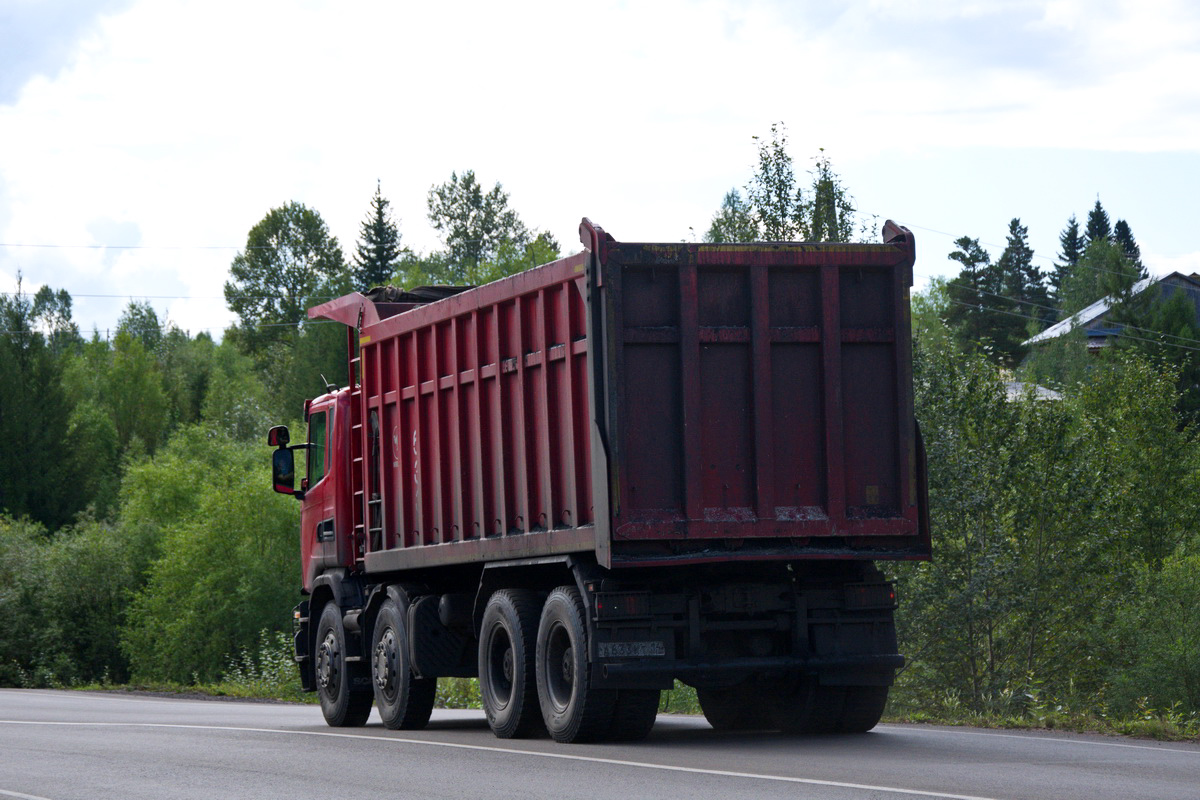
[283, 469]
[278, 436]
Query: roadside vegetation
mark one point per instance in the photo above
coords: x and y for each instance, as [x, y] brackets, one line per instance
[141, 546]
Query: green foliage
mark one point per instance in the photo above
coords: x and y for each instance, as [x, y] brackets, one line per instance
[266, 669]
[1101, 271]
[1071, 244]
[64, 601]
[140, 321]
[1160, 632]
[133, 390]
[1045, 515]
[227, 569]
[237, 404]
[475, 227]
[378, 252]
[1099, 229]
[772, 191]
[733, 222]
[777, 208]
[34, 413]
[289, 255]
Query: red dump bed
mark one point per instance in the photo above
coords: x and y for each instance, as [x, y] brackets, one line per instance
[651, 403]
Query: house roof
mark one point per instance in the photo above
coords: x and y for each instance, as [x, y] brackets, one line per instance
[1087, 315]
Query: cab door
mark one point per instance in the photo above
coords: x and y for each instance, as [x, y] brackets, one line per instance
[318, 515]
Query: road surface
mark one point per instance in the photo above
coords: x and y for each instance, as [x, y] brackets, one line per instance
[84, 746]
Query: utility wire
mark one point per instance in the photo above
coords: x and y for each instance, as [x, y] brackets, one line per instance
[1124, 335]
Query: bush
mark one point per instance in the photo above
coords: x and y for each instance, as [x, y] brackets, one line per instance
[228, 564]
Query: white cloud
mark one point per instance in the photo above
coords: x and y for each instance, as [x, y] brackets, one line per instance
[190, 121]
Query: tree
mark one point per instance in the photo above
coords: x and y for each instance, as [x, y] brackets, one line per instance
[35, 464]
[979, 312]
[1101, 271]
[141, 321]
[1123, 236]
[777, 208]
[830, 213]
[473, 225]
[734, 222]
[289, 255]
[777, 202]
[135, 396]
[1023, 282]
[52, 312]
[1072, 245]
[378, 252]
[1098, 227]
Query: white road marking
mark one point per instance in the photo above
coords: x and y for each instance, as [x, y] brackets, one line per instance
[19, 796]
[533, 753]
[1036, 738]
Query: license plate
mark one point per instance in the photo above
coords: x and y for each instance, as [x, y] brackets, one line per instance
[632, 649]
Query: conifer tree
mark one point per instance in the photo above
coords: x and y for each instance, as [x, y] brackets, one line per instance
[981, 315]
[1072, 248]
[1123, 235]
[1023, 280]
[378, 251]
[734, 222]
[1098, 227]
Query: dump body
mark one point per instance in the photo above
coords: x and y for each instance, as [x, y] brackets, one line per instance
[649, 403]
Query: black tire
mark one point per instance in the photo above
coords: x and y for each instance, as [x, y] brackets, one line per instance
[404, 700]
[805, 706]
[507, 676]
[634, 714]
[344, 702]
[863, 709]
[573, 709]
[735, 708]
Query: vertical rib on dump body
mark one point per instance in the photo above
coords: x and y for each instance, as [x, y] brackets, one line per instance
[651, 403]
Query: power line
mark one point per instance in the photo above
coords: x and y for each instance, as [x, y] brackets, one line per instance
[1027, 316]
[1055, 310]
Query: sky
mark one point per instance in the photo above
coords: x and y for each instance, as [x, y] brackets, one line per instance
[140, 141]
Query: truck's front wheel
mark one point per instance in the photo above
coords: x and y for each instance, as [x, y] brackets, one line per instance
[405, 701]
[573, 708]
[343, 703]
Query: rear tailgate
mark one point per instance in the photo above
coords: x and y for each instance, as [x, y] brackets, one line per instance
[756, 400]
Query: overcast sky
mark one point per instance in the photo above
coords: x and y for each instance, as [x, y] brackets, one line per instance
[140, 141]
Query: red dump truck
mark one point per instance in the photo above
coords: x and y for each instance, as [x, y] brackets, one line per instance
[637, 464]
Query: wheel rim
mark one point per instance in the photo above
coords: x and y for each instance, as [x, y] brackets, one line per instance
[560, 667]
[501, 667]
[327, 666]
[386, 673]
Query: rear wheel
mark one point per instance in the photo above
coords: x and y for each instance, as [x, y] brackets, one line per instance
[574, 710]
[507, 680]
[863, 709]
[734, 708]
[634, 714]
[344, 702]
[805, 706]
[405, 701]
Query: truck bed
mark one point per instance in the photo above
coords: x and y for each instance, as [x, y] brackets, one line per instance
[648, 403]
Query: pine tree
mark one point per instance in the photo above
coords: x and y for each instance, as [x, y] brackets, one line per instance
[1123, 236]
[980, 313]
[1072, 248]
[378, 252]
[1098, 227]
[1024, 283]
[734, 222]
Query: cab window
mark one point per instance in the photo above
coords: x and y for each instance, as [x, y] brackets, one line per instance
[318, 435]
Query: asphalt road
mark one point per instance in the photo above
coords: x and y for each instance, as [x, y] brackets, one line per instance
[74, 745]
